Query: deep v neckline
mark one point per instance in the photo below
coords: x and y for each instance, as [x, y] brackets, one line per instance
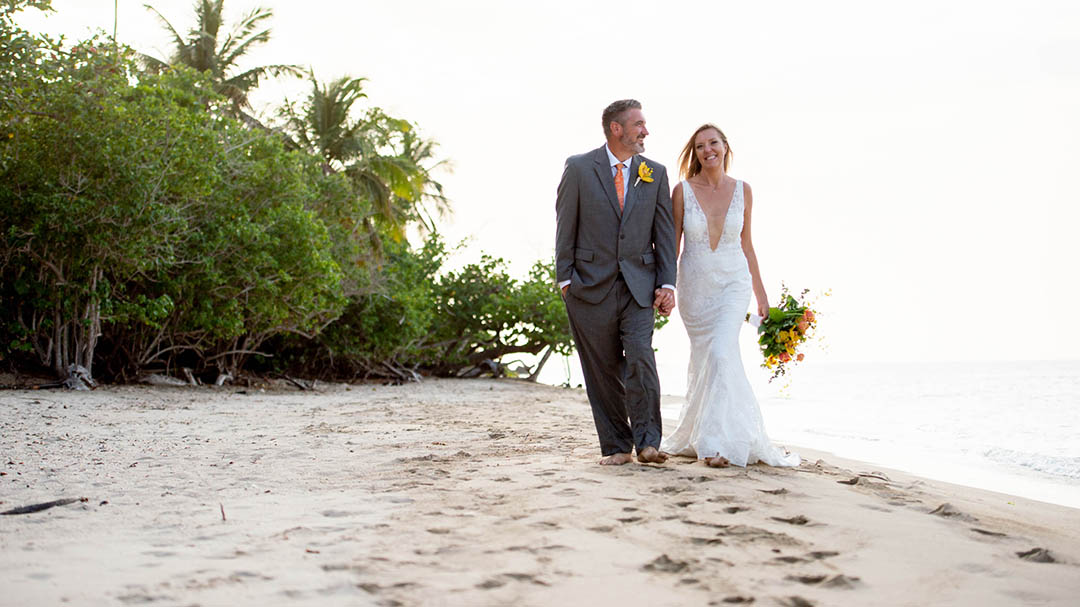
[708, 231]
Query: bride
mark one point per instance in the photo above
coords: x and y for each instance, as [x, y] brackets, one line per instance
[720, 422]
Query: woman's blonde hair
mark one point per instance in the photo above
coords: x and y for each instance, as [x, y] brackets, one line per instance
[689, 165]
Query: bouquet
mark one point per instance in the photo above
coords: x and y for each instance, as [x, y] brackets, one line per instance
[782, 333]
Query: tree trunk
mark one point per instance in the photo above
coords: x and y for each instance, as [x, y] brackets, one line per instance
[540, 365]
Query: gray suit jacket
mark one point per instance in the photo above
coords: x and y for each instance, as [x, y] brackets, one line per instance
[594, 241]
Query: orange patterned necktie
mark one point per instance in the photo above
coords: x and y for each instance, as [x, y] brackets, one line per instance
[619, 186]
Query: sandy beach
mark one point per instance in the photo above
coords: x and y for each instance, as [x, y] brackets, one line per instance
[472, 492]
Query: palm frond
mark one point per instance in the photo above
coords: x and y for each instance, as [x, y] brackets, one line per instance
[178, 40]
[151, 64]
[245, 28]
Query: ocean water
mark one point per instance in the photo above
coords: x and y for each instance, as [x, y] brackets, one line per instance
[1011, 427]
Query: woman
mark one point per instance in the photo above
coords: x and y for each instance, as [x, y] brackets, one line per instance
[720, 422]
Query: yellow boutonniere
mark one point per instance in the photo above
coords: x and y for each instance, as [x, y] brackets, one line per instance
[644, 173]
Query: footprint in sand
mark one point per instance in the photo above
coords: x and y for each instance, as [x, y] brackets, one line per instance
[841, 581]
[837, 581]
[796, 601]
[989, 533]
[780, 491]
[947, 510]
[795, 520]
[748, 534]
[526, 577]
[372, 588]
[807, 579]
[704, 524]
[670, 490]
[502, 580]
[736, 600]
[706, 541]
[489, 584]
[1037, 555]
[664, 564]
[736, 509]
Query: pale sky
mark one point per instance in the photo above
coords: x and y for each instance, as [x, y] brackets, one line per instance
[917, 158]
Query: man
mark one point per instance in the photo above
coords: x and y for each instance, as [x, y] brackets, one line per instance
[615, 262]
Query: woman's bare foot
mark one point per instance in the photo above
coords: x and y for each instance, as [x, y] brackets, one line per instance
[650, 455]
[616, 459]
[717, 462]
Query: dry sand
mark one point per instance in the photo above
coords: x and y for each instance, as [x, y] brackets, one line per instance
[471, 493]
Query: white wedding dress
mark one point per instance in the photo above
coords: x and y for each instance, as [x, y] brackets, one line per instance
[721, 416]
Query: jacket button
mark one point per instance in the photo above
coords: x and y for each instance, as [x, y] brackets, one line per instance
[622, 236]
[620, 259]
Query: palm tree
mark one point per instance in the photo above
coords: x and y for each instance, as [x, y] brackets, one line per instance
[386, 161]
[202, 50]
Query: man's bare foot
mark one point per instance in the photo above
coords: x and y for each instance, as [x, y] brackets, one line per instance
[717, 462]
[650, 455]
[616, 459]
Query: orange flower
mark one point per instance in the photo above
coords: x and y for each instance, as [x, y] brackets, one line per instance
[808, 315]
[785, 357]
[800, 357]
[803, 325]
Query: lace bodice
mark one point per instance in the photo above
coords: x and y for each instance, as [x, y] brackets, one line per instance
[696, 224]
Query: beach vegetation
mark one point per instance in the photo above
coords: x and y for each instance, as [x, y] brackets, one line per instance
[148, 227]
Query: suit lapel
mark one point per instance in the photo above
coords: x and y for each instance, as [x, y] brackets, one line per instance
[603, 172]
[631, 190]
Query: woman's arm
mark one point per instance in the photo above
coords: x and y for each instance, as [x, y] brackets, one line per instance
[751, 257]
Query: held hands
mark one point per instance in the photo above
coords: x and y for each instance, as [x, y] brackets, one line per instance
[664, 302]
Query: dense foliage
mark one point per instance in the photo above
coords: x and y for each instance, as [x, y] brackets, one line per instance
[146, 227]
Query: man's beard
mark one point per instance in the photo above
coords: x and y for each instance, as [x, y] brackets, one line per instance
[638, 145]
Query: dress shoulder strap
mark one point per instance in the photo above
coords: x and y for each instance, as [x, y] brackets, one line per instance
[687, 191]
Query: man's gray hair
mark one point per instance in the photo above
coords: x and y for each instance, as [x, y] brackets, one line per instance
[615, 111]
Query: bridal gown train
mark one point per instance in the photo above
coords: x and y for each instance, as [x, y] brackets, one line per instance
[721, 416]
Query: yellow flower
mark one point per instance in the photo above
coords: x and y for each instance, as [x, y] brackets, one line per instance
[644, 173]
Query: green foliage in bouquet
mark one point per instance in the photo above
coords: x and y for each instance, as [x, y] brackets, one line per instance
[786, 328]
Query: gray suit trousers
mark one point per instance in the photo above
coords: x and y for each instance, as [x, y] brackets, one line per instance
[614, 343]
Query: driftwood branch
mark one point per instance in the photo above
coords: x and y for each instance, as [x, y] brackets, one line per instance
[44, 505]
